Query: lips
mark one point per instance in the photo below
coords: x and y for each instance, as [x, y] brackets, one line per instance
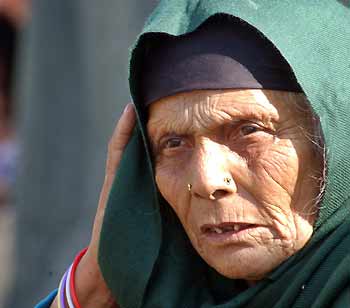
[226, 228]
[229, 233]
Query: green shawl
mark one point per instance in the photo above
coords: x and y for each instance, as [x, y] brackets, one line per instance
[144, 253]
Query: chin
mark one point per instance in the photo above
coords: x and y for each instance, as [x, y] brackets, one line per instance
[245, 263]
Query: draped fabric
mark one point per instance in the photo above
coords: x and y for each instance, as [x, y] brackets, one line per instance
[145, 255]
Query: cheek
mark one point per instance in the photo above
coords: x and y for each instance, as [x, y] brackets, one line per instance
[171, 182]
[272, 166]
[278, 168]
[273, 171]
[281, 175]
[283, 169]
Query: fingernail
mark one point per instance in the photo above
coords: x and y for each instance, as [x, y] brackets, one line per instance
[128, 107]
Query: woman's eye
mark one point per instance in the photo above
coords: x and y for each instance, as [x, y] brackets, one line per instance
[248, 129]
[172, 143]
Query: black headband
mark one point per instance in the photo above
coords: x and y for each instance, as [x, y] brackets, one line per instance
[224, 54]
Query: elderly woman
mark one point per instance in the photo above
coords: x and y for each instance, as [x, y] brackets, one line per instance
[233, 188]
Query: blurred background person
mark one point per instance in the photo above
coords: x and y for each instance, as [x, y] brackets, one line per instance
[71, 84]
[13, 15]
[7, 135]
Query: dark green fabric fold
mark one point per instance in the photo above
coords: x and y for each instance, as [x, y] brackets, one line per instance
[145, 255]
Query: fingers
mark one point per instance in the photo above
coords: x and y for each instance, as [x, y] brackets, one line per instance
[120, 138]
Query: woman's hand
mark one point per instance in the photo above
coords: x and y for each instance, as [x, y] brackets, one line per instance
[91, 288]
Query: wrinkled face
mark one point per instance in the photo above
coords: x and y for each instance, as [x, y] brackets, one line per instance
[252, 170]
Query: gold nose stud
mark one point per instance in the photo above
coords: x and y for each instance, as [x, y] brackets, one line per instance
[227, 181]
[189, 187]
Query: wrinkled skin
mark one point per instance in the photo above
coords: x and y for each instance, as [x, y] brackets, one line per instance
[261, 141]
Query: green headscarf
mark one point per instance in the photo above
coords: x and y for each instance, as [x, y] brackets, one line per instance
[145, 256]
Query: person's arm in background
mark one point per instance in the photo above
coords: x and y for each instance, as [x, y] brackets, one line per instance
[91, 288]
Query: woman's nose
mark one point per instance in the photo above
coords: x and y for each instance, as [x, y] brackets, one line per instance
[210, 173]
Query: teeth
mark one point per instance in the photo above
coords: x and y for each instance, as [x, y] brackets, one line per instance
[218, 230]
[235, 228]
[227, 229]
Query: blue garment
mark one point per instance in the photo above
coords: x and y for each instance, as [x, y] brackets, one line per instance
[45, 303]
[8, 162]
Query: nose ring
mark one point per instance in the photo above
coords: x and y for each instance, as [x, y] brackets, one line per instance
[227, 181]
[189, 187]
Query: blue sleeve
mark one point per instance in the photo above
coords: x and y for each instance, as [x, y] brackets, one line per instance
[45, 303]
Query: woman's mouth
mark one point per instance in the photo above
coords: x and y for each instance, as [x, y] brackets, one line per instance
[227, 232]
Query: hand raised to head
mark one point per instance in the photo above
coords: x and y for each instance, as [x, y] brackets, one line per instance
[91, 288]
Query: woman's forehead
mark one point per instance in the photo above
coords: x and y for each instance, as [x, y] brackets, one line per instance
[260, 100]
[210, 98]
[186, 109]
